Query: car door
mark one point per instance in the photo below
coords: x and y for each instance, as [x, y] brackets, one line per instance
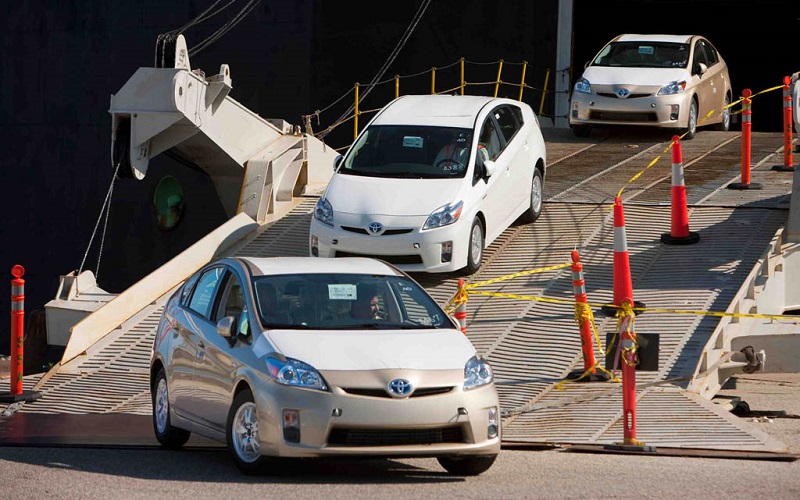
[518, 148]
[704, 82]
[192, 330]
[183, 342]
[718, 73]
[216, 364]
[497, 200]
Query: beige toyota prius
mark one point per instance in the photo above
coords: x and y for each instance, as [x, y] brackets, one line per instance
[305, 357]
[670, 81]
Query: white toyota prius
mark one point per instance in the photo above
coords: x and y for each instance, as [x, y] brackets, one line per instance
[431, 181]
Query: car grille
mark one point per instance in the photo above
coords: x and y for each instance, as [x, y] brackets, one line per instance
[630, 96]
[391, 259]
[381, 393]
[618, 116]
[395, 437]
[388, 232]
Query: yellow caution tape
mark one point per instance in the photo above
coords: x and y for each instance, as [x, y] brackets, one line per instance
[656, 310]
[517, 275]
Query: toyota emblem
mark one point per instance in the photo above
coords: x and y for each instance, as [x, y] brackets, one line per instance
[399, 388]
[375, 228]
[623, 93]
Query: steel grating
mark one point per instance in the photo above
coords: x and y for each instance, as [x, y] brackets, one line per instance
[534, 345]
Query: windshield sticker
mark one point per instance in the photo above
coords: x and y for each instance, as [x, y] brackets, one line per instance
[424, 321]
[646, 49]
[342, 292]
[411, 141]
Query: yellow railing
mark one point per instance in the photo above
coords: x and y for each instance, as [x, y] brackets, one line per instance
[359, 92]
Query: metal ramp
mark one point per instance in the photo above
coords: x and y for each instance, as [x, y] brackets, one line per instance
[532, 345]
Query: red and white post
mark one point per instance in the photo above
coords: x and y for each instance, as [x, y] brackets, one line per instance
[747, 128]
[788, 161]
[679, 222]
[461, 309]
[16, 393]
[579, 288]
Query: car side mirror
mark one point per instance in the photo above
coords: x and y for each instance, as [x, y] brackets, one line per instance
[701, 68]
[489, 167]
[337, 161]
[586, 64]
[225, 327]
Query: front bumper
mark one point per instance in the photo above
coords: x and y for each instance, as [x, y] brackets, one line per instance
[415, 250]
[649, 110]
[378, 426]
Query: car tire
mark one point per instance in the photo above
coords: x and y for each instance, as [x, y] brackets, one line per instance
[242, 434]
[582, 130]
[725, 124]
[166, 434]
[467, 466]
[536, 198]
[475, 246]
[691, 129]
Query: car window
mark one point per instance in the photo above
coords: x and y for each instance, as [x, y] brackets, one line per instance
[188, 288]
[643, 55]
[345, 302]
[409, 151]
[231, 303]
[489, 146]
[711, 53]
[699, 55]
[507, 121]
[203, 295]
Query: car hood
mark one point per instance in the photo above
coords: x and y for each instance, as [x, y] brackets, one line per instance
[355, 194]
[373, 349]
[601, 75]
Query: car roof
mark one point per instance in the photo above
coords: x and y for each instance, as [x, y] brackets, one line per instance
[315, 265]
[435, 110]
[655, 38]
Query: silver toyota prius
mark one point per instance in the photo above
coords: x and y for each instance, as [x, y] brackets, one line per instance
[305, 357]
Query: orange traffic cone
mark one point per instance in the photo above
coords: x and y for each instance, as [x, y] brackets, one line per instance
[623, 284]
[679, 233]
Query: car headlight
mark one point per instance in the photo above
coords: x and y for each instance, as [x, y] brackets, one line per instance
[444, 216]
[323, 212]
[288, 371]
[477, 372]
[672, 88]
[584, 86]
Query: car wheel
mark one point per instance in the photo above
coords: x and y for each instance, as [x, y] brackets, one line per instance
[725, 124]
[582, 130]
[166, 434]
[475, 248]
[242, 433]
[691, 128]
[467, 466]
[536, 199]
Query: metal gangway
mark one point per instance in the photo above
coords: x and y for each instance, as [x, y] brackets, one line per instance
[746, 261]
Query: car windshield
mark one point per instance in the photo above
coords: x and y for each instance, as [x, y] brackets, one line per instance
[644, 55]
[345, 302]
[410, 151]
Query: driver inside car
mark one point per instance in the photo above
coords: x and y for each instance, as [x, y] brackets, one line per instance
[453, 156]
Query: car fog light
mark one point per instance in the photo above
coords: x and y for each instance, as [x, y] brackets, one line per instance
[673, 112]
[492, 429]
[447, 251]
[291, 426]
[314, 246]
[574, 109]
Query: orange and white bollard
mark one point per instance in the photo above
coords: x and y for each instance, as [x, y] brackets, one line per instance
[747, 128]
[461, 309]
[16, 393]
[788, 161]
[679, 222]
[579, 288]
